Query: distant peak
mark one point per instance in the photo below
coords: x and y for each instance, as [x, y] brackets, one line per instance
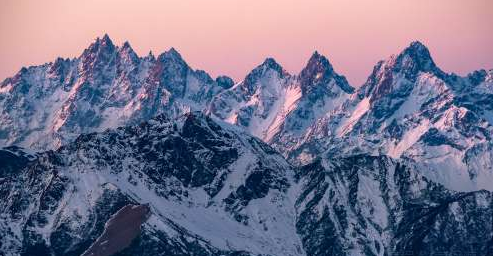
[127, 52]
[319, 71]
[173, 57]
[417, 45]
[127, 48]
[419, 54]
[410, 62]
[271, 63]
[106, 40]
[319, 60]
[261, 70]
[171, 54]
[417, 49]
[268, 64]
[318, 67]
[150, 56]
[316, 55]
[100, 45]
[126, 45]
[106, 37]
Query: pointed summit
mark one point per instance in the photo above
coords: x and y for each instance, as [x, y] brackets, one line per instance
[317, 66]
[413, 59]
[106, 40]
[271, 63]
[104, 43]
[172, 53]
[319, 71]
[418, 51]
[100, 45]
[320, 61]
[172, 56]
[99, 53]
[127, 49]
[127, 53]
[268, 64]
[263, 70]
[172, 60]
[408, 64]
[417, 45]
[150, 56]
[126, 45]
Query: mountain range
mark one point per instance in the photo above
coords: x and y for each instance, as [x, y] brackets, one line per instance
[276, 164]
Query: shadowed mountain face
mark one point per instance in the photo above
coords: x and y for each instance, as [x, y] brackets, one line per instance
[410, 109]
[367, 171]
[276, 106]
[107, 86]
[211, 189]
[368, 205]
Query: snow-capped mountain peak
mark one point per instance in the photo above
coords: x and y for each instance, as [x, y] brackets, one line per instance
[409, 108]
[405, 66]
[128, 50]
[270, 102]
[317, 68]
[319, 72]
[100, 45]
[268, 68]
[171, 54]
[381, 160]
[414, 59]
[105, 87]
[271, 63]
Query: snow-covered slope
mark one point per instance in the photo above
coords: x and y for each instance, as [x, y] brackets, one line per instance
[43, 107]
[409, 108]
[276, 106]
[375, 205]
[377, 165]
[211, 189]
[208, 188]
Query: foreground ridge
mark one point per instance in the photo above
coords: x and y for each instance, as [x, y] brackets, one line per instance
[212, 189]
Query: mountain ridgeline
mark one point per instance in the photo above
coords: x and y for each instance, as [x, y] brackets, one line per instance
[110, 153]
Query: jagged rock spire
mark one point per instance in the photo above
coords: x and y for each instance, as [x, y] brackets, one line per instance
[319, 71]
[414, 59]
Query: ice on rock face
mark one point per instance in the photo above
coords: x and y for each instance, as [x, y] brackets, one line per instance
[406, 99]
[376, 167]
[107, 86]
[380, 206]
[212, 189]
[276, 106]
[203, 180]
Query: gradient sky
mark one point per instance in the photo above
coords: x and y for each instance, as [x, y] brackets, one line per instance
[233, 36]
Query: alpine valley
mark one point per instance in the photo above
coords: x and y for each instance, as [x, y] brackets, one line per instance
[111, 153]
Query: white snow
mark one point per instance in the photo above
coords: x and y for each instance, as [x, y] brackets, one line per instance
[360, 109]
[6, 88]
[409, 138]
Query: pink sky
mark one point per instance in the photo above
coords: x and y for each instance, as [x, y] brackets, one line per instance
[233, 36]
